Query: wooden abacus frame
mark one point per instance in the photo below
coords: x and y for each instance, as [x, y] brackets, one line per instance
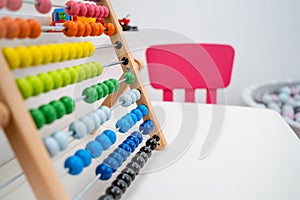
[23, 135]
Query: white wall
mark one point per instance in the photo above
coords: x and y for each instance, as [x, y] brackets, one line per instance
[264, 33]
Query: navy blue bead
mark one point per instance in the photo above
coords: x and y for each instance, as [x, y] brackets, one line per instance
[113, 163]
[74, 164]
[138, 114]
[122, 152]
[85, 157]
[133, 117]
[111, 135]
[146, 127]
[126, 147]
[134, 139]
[131, 144]
[105, 171]
[104, 141]
[118, 157]
[94, 148]
[143, 109]
[138, 135]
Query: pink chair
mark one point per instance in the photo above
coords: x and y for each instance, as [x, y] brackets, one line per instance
[190, 67]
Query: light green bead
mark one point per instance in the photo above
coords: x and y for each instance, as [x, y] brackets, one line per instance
[37, 85]
[47, 81]
[130, 78]
[25, 87]
[90, 94]
[57, 79]
[93, 69]
[99, 68]
[65, 76]
[73, 74]
[81, 75]
[88, 70]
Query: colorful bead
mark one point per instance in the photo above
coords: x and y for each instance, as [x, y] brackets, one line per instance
[126, 100]
[38, 117]
[49, 113]
[96, 118]
[131, 144]
[109, 29]
[123, 125]
[146, 127]
[111, 135]
[90, 95]
[90, 10]
[74, 164]
[129, 78]
[87, 32]
[99, 68]
[120, 184]
[152, 143]
[47, 54]
[128, 118]
[37, 57]
[143, 108]
[47, 81]
[25, 87]
[133, 117]
[12, 57]
[126, 178]
[138, 135]
[57, 79]
[43, 6]
[101, 115]
[105, 89]
[72, 51]
[25, 56]
[72, 8]
[118, 157]
[105, 171]
[89, 123]
[3, 3]
[104, 141]
[52, 146]
[82, 9]
[134, 139]
[95, 28]
[105, 12]
[62, 139]
[78, 129]
[64, 52]
[69, 104]
[126, 147]
[81, 76]
[85, 156]
[94, 69]
[36, 28]
[134, 166]
[25, 28]
[71, 29]
[122, 152]
[107, 111]
[36, 84]
[66, 77]
[147, 150]
[13, 29]
[14, 4]
[59, 108]
[99, 91]
[137, 113]
[73, 74]
[113, 163]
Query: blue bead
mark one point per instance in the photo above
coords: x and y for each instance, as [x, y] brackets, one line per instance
[118, 157]
[85, 157]
[131, 144]
[105, 171]
[133, 117]
[111, 135]
[129, 119]
[126, 147]
[79, 129]
[52, 146]
[89, 123]
[147, 126]
[122, 152]
[134, 139]
[113, 163]
[137, 113]
[74, 164]
[96, 118]
[62, 139]
[143, 109]
[123, 125]
[104, 141]
[94, 148]
[138, 135]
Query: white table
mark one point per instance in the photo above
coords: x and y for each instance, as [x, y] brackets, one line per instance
[255, 157]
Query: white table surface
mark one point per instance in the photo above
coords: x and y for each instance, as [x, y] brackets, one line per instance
[255, 156]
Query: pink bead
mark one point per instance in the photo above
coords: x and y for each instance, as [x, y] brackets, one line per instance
[97, 11]
[106, 12]
[294, 91]
[82, 10]
[43, 6]
[274, 98]
[3, 3]
[72, 8]
[90, 10]
[101, 12]
[14, 4]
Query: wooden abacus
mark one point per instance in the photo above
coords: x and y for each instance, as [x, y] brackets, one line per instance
[22, 132]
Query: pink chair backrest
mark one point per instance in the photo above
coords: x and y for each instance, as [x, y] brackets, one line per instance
[189, 67]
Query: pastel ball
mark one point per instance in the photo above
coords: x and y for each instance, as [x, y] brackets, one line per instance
[94, 148]
[52, 146]
[62, 139]
[89, 123]
[74, 164]
[107, 111]
[78, 129]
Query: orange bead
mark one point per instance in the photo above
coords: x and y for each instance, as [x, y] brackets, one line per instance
[3, 29]
[101, 29]
[25, 28]
[88, 29]
[95, 29]
[13, 28]
[109, 29]
[35, 27]
[81, 29]
[71, 28]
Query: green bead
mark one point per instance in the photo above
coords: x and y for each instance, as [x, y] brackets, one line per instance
[65, 76]
[99, 68]
[25, 87]
[60, 108]
[49, 112]
[37, 85]
[88, 71]
[116, 83]
[93, 69]
[81, 75]
[130, 78]
[110, 85]
[99, 90]
[38, 117]
[57, 79]
[69, 104]
[105, 89]
[47, 81]
[73, 74]
[90, 94]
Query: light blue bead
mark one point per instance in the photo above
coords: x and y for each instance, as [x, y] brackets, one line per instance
[146, 127]
[298, 119]
[107, 111]
[79, 129]
[129, 119]
[101, 115]
[111, 135]
[138, 135]
[85, 157]
[137, 94]
[105, 171]
[62, 139]
[298, 88]
[291, 102]
[133, 97]
[274, 106]
[297, 103]
[137, 113]
[89, 123]
[104, 141]
[133, 117]
[122, 152]
[94, 148]
[52, 146]
[123, 125]
[96, 119]
[113, 163]
[283, 97]
[118, 157]
[287, 90]
[261, 105]
[143, 109]
[74, 164]
[126, 100]
[266, 98]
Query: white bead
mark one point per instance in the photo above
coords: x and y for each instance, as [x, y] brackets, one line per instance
[137, 94]
[107, 112]
[101, 115]
[125, 99]
[79, 129]
[52, 146]
[62, 139]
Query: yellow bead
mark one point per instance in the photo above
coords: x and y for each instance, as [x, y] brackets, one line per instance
[12, 57]
[79, 50]
[56, 52]
[85, 48]
[91, 48]
[64, 51]
[47, 53]
[37, 56]
[25, 55]
[72, 51]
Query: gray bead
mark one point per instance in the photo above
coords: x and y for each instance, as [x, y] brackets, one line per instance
[79, 129]
[62, 139]
[52, 146]
[89, 123]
